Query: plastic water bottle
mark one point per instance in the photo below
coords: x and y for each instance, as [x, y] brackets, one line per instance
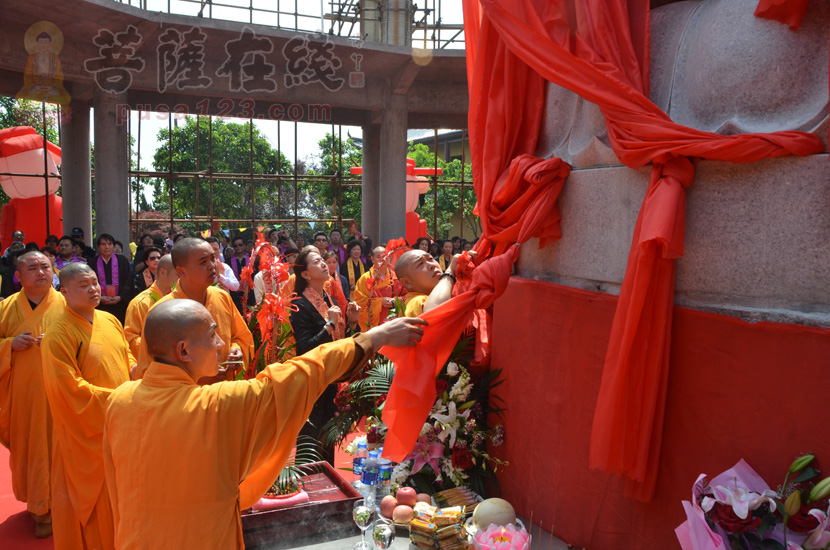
[369, 476]
[359, 457]
[385, 477]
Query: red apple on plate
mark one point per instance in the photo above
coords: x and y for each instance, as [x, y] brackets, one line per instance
[407, 496]
[387, 506]
[402, 514]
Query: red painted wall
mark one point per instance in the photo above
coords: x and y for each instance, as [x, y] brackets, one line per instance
[736, 390]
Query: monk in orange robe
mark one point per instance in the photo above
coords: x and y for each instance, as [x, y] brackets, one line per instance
[195, 265]
[166, 277]
[427, 285]
[230, 439]
[25, 420]
[375, 292]
[85, 356]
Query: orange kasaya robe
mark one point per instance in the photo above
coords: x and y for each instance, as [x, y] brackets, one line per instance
[183, 460]
[371, 302]
[25, 420]
[415, 303]
[231, 327]
[82, 364]
[136, 313]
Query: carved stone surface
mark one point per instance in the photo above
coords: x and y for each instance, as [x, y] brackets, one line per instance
[714, 67]
[737, 73]
[756, 237]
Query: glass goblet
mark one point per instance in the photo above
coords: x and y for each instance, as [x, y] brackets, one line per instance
[383, 533]
[362, 513]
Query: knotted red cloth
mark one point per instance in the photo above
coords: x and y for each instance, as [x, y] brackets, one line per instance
[412, 394]
[598, 49]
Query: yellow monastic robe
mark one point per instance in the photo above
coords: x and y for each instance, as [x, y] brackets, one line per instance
[444, 262]
[25, 420]
[415, 304]
[386, 287]
[231, 327]
[136, 313]
[183, 460]
[82, 364]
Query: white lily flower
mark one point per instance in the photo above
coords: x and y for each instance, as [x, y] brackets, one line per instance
[741, 500]
[450, 423]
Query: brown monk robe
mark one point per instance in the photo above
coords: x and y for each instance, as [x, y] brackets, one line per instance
[25, 421]
[182, 460]
[166, 277]
[195, 265]
[85, 356]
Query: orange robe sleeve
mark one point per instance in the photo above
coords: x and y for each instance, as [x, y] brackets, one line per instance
[136, 313]
[231, 327]
[231, 441]
[415, 304]
[25, 420]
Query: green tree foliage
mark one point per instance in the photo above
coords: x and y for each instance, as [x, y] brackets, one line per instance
[334, 163]
[325, 196]
[231, 154]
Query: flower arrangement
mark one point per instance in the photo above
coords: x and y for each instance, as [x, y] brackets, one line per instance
[452, 448]
[268, 321]
[737, 507]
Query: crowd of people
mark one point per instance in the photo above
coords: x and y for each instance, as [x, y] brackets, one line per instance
[111, 357]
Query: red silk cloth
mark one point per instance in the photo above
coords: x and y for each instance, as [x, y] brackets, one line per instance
[412, 394]
[598, 49]
[789, 12]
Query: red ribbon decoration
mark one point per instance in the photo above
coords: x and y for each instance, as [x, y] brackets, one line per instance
[412, 394]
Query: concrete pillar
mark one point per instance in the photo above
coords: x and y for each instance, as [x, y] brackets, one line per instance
[112, 187]
[370, 211]
[392, 199]
[76, 187]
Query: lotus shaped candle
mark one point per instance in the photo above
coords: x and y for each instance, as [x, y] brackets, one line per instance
[502, 537]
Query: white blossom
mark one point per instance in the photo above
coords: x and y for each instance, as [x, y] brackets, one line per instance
[351, 448]
[452, 369]
[461, 390]
[400, 473]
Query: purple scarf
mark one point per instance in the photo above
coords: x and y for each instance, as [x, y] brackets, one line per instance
[102, 280]
[60, 262]
[235, 264]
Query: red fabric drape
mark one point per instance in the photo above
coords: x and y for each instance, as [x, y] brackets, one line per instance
[599, 49]
[412, 394]
[789, 12]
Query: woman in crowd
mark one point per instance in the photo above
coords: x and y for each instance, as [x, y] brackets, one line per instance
[434, 250]
[318, 320]
[353, 268]
[114, 276]
[339, 284]
[421, 244]
[144, 242]
[445, 258]
[150, 258]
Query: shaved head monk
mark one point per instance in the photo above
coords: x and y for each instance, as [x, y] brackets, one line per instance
[194, 262]
[166, 277]
[375, 292]
[426, 284]
[25, 421]
[85, 356]
[230, 440]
